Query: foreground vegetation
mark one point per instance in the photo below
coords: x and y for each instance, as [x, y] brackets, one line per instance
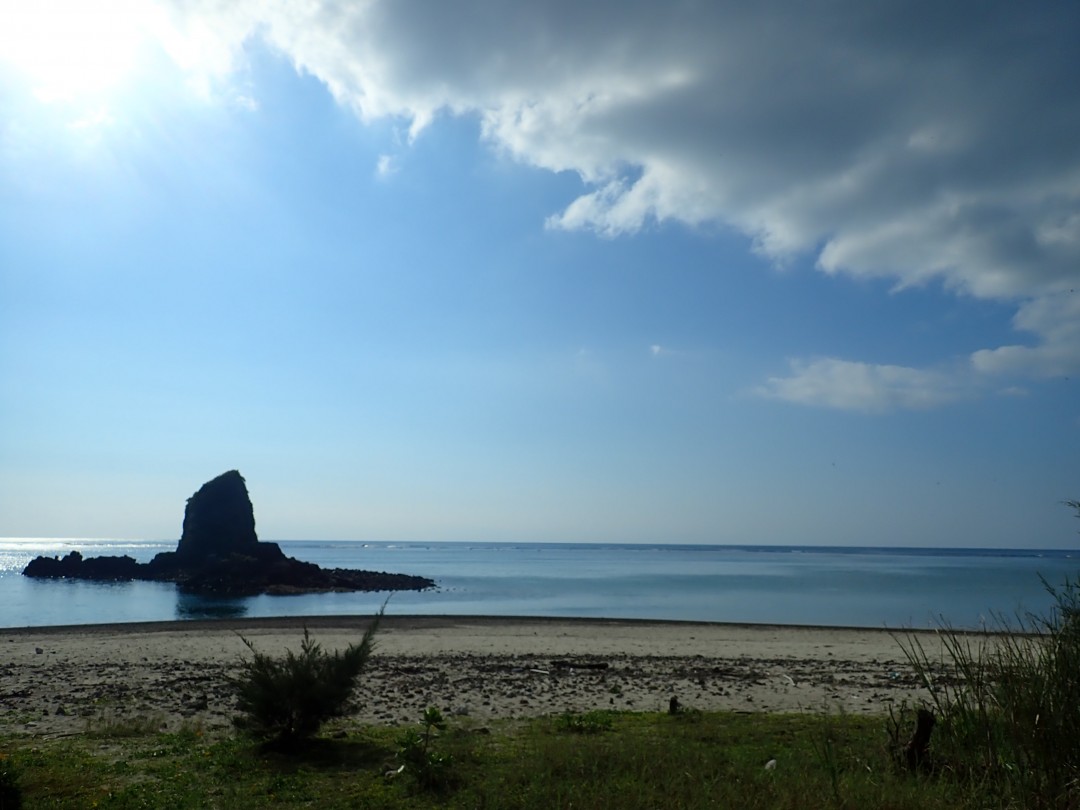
[1008, 716]
[596, 760]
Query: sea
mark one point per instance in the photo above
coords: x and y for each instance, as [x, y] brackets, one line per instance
[798, 585]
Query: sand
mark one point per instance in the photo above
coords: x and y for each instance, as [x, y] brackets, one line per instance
[62, 680]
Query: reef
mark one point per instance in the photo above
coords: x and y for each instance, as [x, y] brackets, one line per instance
[220, 554]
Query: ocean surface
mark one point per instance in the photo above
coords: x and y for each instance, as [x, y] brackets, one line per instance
[837, 586]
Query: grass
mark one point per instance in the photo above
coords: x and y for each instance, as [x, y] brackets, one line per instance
[623, 760]
[1008, 706]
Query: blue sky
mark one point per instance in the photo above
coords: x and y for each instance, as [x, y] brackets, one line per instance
[538, 271]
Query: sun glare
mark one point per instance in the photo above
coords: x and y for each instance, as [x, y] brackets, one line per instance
[70, 49]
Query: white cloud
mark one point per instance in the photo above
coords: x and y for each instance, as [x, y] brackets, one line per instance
[385, 166]
[844, 385]
[1055, 320]
[913, 141]
[660, 351]
[1014, 391]
[905, 140]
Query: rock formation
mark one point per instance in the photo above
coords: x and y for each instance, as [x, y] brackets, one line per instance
[74, 566]
[220, 554]
[219, 519]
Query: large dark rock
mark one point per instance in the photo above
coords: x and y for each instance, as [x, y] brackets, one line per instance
[220, 554]
[219, 519]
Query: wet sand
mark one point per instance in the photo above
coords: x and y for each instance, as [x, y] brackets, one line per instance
[57, 680]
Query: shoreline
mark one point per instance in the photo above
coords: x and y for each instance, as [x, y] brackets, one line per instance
[331, 620]
[59, 680]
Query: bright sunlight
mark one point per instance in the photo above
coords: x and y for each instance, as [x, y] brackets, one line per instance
[68, 49]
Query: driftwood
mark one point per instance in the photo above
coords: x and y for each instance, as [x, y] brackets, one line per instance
[917, 750]
[579, 664]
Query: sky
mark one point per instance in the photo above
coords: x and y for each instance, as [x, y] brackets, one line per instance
[618, 271]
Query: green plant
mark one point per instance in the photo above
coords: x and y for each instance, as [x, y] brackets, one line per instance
[1008, 705]
[430, 768]
[594, 722]
[653, 760]
[825, 749]
[286, 700]
[111, 725]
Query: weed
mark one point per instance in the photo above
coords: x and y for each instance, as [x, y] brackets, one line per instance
[594, 722]
[430, 768]
[825, 748]
[115, 726]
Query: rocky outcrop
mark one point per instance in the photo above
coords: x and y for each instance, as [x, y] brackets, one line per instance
[219, 553]
[74, 566]
[219, 519]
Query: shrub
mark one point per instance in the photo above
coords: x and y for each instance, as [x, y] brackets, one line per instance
[286, 700]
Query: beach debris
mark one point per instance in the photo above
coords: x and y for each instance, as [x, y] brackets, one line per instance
[917, 750]
[788, 678]
[539, 672]
[770, 765]
[566, 664]
[38, 650]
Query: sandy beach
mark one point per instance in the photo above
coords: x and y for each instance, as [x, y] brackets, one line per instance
[55, 680]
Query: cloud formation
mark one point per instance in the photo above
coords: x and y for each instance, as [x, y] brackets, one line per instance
[921, 142]
[1055, 321]
[846, 385]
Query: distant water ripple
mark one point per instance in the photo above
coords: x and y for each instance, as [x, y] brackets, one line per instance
[838, 586]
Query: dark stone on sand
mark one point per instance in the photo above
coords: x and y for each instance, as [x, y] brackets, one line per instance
[219, 554]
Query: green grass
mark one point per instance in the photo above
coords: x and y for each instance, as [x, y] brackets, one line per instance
[629, 761]
[1008, 708]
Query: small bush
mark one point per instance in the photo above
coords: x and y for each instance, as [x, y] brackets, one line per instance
[286, 700]
[429, 767]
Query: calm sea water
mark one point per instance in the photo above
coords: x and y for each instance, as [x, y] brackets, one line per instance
[864, 587]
